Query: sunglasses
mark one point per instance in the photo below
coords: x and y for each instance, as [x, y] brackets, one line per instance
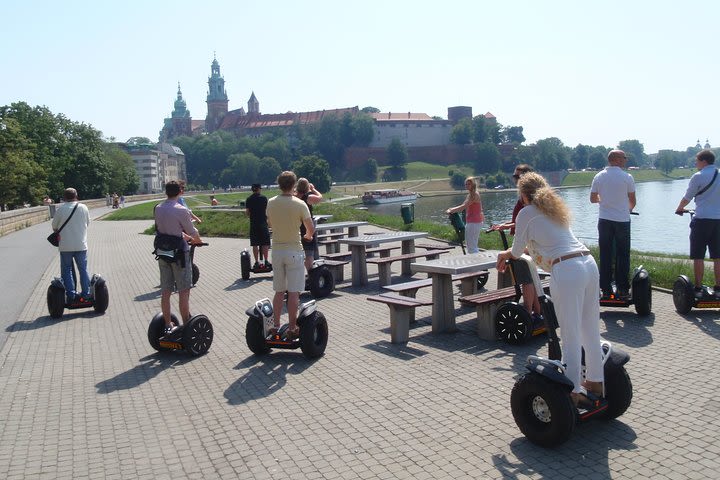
[516, 177]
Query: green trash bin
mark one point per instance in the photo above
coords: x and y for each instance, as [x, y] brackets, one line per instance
[407, 210]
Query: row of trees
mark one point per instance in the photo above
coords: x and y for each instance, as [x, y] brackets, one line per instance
[42, 153]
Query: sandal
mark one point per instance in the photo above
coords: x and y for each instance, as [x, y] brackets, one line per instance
[273, 331]
[292, 333]
[596, 388]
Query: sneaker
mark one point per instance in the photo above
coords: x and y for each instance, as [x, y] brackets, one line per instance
[256, 266]
[170, 329]
[537, 318]
[698, 292]
[624, 296]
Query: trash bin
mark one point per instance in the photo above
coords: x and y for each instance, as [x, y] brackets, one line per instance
[407, 210]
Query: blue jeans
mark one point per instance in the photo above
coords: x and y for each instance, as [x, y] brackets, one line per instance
[614, 240]
[66, 268]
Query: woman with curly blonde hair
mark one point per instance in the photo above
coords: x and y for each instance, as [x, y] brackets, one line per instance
[542, 229]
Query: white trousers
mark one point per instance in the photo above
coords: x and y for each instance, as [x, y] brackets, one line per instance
[472, 235]
[575, 290]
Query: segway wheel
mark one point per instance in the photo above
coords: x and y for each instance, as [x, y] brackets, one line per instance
[56, 301]
[156, 329]
[101, 297]
[642, 295]
[195, 274]
[321, 282]
[618, 392]
[683, 296]
[543, 410]
[482, 280]
[254, 336]
[198, 335]
[313, 335]
[513, 323]
[245, 265]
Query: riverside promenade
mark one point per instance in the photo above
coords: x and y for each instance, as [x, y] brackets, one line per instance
[87, 397]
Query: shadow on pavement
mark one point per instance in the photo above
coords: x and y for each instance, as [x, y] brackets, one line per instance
[240, 284]
[265, 375]
[154, 295]
[628, 328]
[584, 455]
[150, 367]
[399, 351]
[705, 320]
[47, 321]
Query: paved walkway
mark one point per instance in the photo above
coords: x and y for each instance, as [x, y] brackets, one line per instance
[87, 397]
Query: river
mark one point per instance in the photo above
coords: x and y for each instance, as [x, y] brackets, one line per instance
[656, 229]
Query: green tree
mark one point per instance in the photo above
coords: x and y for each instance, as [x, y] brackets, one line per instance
[370, 110]
[397, 153]
[328, 141]
[597, 158]
[462, 133]
[552, 154]
[487, 158]
[665, 160]
[138, 141]
[316, 170]
[480, 129]
[123, 175]
[579, 156]
[370, 170]
[513, 135]
[363, 127]
[269, 169]
[24, 180]
[457, 181]
[634, 151]
[242, 169]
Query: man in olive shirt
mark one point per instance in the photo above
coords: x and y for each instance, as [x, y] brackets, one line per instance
[285, 212]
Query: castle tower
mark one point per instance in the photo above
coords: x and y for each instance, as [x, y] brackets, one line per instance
[253, 105]
[217, 100]
[180, 120]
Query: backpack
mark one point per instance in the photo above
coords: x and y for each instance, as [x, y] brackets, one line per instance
[169, 248]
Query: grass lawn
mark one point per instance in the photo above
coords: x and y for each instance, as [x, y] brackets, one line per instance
[575, 179]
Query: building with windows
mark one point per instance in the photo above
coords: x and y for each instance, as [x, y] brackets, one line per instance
[157, 165]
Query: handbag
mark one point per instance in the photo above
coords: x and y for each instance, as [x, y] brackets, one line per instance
[54, 237]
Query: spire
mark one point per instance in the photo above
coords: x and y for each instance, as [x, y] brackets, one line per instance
[180, 106]
[253, 104]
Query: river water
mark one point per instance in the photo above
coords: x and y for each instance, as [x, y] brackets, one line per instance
[656, 229]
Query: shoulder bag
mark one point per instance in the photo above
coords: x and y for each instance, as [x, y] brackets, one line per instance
[54, 237]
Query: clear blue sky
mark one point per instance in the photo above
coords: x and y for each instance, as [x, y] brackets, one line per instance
[586, 72]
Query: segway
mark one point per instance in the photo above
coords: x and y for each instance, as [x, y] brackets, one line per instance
[320, 280]
[540, 399]
[640, 294]
[313, 330]
[458, 224]
[246, 269]
[195, 269]
[513, 323]
[194, 337]
[56, 297]
[684, 296]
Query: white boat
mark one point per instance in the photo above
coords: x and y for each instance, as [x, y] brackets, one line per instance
[388, 195]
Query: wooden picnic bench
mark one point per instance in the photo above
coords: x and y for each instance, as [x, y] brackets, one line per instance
[400, 309]
[487, 304]
[382, 250]
[440, 246]
[468, 286]
[337, 267]
[383, 263]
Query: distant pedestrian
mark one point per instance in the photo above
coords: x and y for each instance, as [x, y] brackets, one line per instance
[256, 210]
[614, 190]
[474, 216]
[122, 201]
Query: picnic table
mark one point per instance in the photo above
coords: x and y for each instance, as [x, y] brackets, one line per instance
[320, 219]
[359, 244]
[441, 271]
[336, 227]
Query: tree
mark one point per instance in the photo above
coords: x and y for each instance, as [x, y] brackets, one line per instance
[462, 132]
[134, 141]
[123, 175]
[329, 145]
[487, 158]
[552, 154]
[370, 110]
[396, 153]
[363, 127]
[370, 170]
[479, 129]
[597, 158]
[316, 170]
[513, 135]
[457, 181]
[635, 152]
[579, 156]
[665, 160]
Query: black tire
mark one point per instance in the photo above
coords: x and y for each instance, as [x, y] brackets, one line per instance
[314, 335]
[198, 335]
[245, 265]
[156, 330]
[683, 296]
[513, 324]
[321, 282]
[56, 301]
[543, 410]
[195, 274]
[642, 296]
[254, 336]
[618, 392]
[101, 298]
[482, 280]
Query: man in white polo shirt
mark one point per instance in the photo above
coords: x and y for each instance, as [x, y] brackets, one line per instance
[614, 190]
[73, 245]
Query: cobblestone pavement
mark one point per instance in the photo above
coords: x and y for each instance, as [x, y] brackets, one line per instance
[87, 397]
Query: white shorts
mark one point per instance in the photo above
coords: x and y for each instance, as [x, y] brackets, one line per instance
[288, 270]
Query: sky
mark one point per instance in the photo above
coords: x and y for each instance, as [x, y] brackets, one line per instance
[590, 72]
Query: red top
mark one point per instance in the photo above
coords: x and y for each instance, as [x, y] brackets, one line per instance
[518, 206]
[474, 213]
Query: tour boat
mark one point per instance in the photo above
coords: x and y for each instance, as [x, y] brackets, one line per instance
[388, 195]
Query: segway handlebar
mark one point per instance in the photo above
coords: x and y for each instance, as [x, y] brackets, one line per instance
[634, 213]
[684, 211]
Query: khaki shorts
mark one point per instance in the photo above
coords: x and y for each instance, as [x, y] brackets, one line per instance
[288, 270]
[172, 275]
